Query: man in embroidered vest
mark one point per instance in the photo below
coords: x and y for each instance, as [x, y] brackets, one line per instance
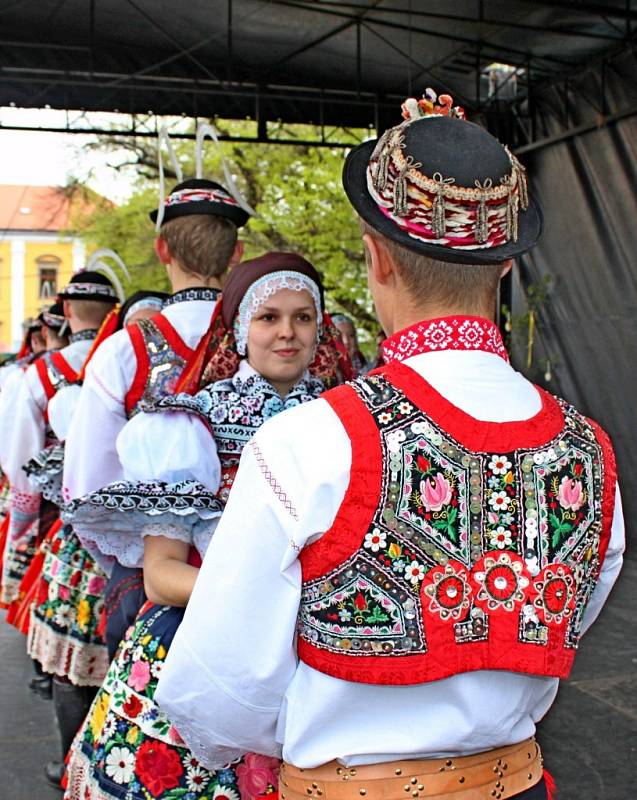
[197, 243]
[86, 301]
[405, 566]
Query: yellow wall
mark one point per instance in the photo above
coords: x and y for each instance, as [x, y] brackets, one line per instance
[32, 302]
[5, 295]
[35, 250]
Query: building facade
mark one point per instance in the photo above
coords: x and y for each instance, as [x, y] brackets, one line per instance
[38, 254]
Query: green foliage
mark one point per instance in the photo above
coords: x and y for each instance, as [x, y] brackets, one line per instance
[297, 192]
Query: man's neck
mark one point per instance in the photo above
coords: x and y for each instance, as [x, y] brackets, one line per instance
[181, 281]
[76, 326]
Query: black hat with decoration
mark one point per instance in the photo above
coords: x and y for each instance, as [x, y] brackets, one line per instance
[443, 187]
[53, 316]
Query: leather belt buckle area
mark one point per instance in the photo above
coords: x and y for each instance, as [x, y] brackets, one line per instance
[495, 775]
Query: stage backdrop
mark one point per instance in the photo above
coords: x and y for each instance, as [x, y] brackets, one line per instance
[587, 326]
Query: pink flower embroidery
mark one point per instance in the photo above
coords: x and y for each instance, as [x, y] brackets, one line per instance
[64, 592]
[435, 492]
[96, 585]
[571, 494]
[255, 774]
[139, 675]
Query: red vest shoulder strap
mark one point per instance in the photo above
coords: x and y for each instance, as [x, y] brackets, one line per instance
[359, 504]
[177, 345]
[43, 375]
[172, 337]
[63, 366]
[136, 390]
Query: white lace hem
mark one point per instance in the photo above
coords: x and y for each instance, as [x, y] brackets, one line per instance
[83, 664]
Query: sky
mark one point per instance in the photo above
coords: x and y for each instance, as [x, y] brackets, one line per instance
[49, 159]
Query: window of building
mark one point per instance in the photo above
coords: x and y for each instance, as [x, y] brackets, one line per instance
[48, 276]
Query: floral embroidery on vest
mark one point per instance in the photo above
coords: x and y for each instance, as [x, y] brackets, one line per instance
[472, 559]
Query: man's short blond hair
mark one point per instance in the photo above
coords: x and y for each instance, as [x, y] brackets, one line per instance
[470, 287]
[202, 244]
[91, 312]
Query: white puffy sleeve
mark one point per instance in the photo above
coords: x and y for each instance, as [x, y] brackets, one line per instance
[171, 475]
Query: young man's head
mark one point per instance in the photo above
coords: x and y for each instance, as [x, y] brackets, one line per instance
[444, 209]
[198, 236]
[198, 248]
[403, 282]
[87, 300]
[35, 337]
[53, 322]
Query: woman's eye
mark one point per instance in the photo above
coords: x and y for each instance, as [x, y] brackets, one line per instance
[305, 317]
[267, 317]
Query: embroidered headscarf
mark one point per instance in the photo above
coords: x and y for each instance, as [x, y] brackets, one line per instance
[247, 288]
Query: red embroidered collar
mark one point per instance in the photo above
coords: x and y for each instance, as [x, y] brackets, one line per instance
[445, 333]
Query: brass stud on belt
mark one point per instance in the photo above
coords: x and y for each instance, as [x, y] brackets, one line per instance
[421, 787]
[398, 771]
[505, 765]
[406, 787]
[496, 770]
[362, 792]
[308, 790]
[529, 776]
[448, 762]
[319, 792]
[461, 779]
[415, 793]
[345, 777]
[314, 785]
[339, 771]
[352, 772]
[414, 781]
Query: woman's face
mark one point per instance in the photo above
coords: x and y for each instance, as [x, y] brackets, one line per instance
[282, 338]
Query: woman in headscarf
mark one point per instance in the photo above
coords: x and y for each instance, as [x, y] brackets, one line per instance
[252, 364]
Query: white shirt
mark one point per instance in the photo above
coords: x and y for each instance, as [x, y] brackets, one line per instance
[232, 682]
[91, 459]
[27, 434]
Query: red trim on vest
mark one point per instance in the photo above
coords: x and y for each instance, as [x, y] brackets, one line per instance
[359, 504]
[134, 394]
[478, 435]
[409, 670]
[63, 367]
[610, 482]
[172, 337]
[136, 391]
[43, 375]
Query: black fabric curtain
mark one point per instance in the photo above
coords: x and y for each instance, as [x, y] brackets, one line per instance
[586, 336]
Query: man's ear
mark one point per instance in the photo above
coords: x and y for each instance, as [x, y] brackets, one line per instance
[66, 305]
[162, 250]
[237, 254]
[379, 264]
[506, 267]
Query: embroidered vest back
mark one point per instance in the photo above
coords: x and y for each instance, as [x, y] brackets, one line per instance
[161, 357]
[460, 545]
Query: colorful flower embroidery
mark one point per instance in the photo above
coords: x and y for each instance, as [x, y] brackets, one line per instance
[120, 764]
[139, 674]
[375, 540]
